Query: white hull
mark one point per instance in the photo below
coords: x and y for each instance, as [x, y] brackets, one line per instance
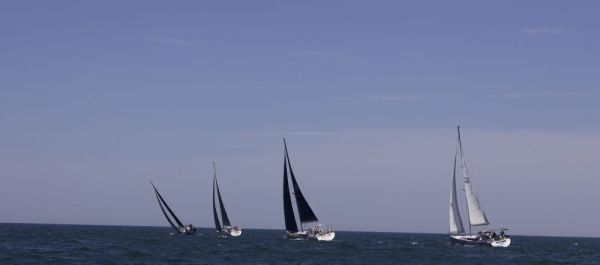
[326, 236]
[235, 232]
[502, 243]
[320, 235]
[231, 231]
[475, 240]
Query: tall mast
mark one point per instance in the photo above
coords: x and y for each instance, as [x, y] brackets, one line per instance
[475, 213]
[462, 164]
[456, 226]
[224, 217]
[288, 210]
[305, 212]
[215, 215]
[161, 199]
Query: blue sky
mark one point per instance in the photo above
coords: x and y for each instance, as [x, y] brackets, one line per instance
[97, 97]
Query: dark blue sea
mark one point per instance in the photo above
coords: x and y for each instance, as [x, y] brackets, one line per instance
[82, 244]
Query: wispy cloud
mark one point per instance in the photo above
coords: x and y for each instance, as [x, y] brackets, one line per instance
[548, 93]
[393, 98]
[179, 42]
[403, 98]
[270, 134]
[396, 98]
[322, 55]
[535, 32]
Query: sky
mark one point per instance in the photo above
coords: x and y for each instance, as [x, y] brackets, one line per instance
[98, 97]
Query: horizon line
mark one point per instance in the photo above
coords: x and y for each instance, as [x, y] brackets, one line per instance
[283, 229]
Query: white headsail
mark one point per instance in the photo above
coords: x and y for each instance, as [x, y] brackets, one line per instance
[476, 214]
[456, 226]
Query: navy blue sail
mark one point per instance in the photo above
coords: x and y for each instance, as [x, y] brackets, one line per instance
[217, 223]
[161, 203]
[224, 216]
[305, 213]
[288, 210]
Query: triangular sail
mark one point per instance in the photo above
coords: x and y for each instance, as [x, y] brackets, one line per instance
[476, 214]
[165, 213]
[215, 215]
[224, 217]
[306, 213]
[456, 225]
[288, 210]
[167, 206]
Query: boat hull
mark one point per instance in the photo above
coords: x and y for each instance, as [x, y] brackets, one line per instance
[324, 236]
[188, 231]
[473, 240]
[296, 235]
[234, 233]
[502, 243]
[230, 231]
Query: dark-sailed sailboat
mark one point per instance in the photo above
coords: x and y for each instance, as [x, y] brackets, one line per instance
[305, 213]
[169, 214]
[225, 226]
[476, 215]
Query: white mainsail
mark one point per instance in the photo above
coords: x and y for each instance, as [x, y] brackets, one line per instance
[476, 214]
[456, 226]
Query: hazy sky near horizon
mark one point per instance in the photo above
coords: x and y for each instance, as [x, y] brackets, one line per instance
[98, 97]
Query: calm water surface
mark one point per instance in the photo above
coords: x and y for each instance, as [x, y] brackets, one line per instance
[79, 244]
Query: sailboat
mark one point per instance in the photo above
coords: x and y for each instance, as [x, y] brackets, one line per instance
[179, 227]
[307, 216]
[225, 226]
[476, 215]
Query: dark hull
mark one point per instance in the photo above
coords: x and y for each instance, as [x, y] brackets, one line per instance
[468, 242]
[296, 235]
[188, 232]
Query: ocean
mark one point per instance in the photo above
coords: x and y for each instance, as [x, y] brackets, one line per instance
[86, 244]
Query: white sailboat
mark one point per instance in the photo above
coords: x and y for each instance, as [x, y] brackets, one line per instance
[306, 215]
[476, 215]
[224, 227]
